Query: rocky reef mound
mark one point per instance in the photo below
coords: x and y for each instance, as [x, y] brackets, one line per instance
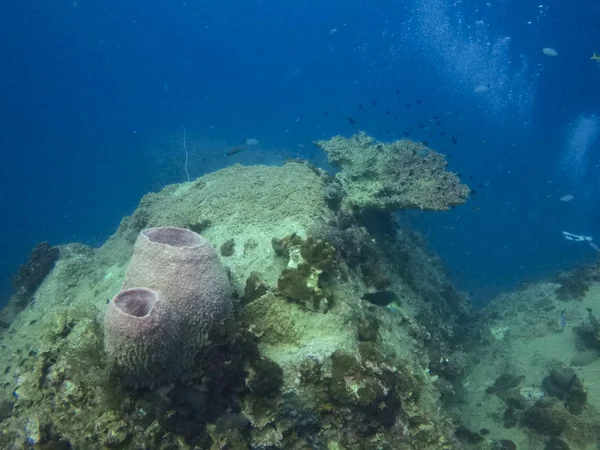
[340, 319]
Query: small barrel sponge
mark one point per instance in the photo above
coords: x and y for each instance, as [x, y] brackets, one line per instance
[186, 271]
[140, 337]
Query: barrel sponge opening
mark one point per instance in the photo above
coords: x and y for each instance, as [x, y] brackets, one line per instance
[173, 236]
[140, 337]
[136, 302]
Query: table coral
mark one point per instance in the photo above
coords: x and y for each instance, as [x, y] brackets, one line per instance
[391, 176]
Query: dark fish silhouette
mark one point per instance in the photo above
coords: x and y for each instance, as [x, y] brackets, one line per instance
[407, 105]
[426, 143]
[351, 120]
[326, 113]
[436, 117]
[397, 91]
[454, 140]
[374, 102]
[234, 150]
[360, 106]
[388, 112]
[406, 133]
[381, 298]
[419, 102]
[443, 133]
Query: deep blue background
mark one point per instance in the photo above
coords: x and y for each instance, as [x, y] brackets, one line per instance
[90, 90]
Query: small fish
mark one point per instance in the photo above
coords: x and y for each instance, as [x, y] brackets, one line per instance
[351, 120]
[406, 133]
[388, 112]
[549, 51]
[419, 102]
[360, 106]
[381, 298]
[425, 143]
[454, 139]
[393, 308]
[443, 133]
[407, 105]
[473, 192]
[234, 150]
[567, 198]
[325, 113]
[374, 103]
[562, 320]
[436, 117]
[477, 208]
[397, 91]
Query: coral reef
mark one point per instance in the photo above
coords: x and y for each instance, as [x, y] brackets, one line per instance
[313, 356]
[575, 283]
[390, 176]
[308, 261]
[32, 273]
[27, 279]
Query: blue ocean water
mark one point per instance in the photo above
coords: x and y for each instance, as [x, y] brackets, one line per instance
[94, 97]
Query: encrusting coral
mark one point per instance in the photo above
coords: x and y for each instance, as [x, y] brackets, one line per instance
[390, 176]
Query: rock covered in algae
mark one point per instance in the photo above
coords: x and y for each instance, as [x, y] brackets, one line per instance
[284, 377]
[390, 176]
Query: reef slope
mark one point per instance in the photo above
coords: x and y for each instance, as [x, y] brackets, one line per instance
[338, 318]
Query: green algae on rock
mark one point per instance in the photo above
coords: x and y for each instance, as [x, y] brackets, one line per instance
[390, 176]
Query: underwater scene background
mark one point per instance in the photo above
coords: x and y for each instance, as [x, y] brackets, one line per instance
[393, 207]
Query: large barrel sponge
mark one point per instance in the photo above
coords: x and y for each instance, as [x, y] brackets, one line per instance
[140, 337]
[186, 271]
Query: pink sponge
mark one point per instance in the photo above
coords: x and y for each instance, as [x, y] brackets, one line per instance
[185, 271]
[139, 336]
